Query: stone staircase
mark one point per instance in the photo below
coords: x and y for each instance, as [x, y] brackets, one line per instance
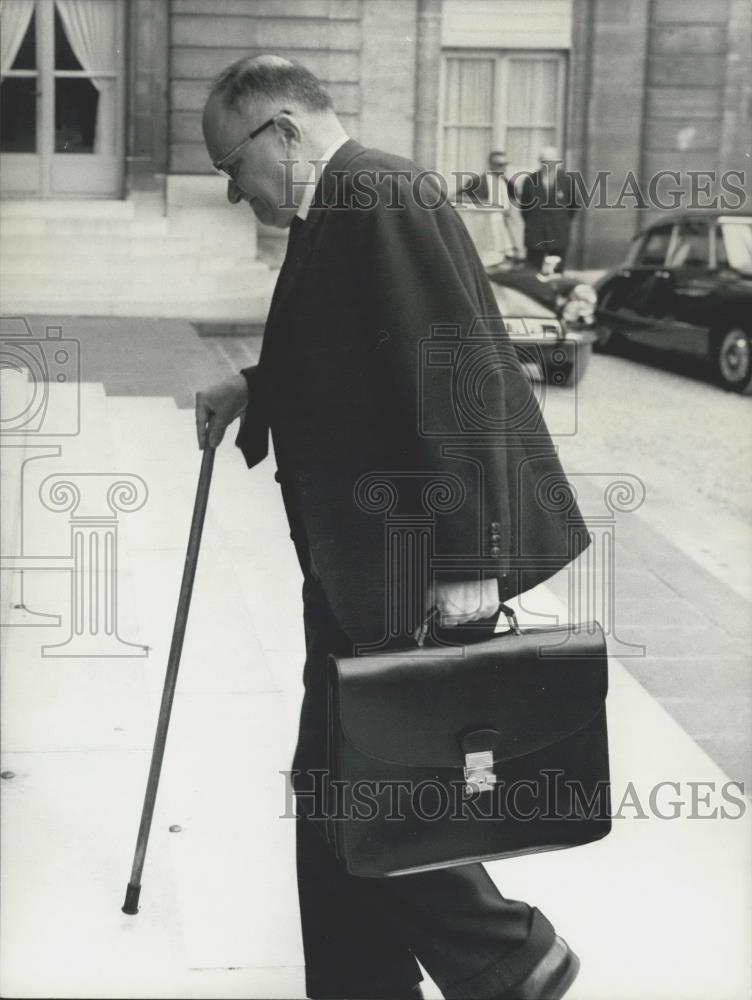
[77, 729]
[138, 257]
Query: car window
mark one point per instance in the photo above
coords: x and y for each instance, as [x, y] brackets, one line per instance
[721, 257]
[736, 245]
[633, 253]
[653, 252]
[691, 246]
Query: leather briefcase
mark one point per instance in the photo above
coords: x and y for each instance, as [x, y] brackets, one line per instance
[441, 756]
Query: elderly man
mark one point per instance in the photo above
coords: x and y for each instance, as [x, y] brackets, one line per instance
[548, 202]
[369, 271]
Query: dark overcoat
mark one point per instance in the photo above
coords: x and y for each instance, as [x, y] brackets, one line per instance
[548, 214]
[405, 432]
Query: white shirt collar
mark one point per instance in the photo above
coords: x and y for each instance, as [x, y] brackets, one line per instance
[317, 168]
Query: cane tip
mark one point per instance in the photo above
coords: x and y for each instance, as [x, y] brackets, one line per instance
[130, 906]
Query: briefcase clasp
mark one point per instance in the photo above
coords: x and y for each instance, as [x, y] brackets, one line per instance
[478, 770]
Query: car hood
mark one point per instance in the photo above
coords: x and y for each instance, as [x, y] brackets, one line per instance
[514, 304]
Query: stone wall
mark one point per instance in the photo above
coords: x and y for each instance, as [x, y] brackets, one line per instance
[363, 52]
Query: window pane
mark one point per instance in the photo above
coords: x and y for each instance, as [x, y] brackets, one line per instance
[469, 91]
[654, 251]
[26, 57]
[532, 97]
[76, 103]
[738, 245]
[65, 57]
[468, 114]
[465, 149]
[721, 257]
[692, 246]
[18, 115]
[524, 146]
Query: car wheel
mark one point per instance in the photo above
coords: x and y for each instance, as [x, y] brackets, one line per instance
[733, 359]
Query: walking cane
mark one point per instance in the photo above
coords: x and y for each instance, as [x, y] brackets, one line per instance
[173, 662]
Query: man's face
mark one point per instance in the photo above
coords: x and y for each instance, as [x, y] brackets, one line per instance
[257, 174]
[498, 164]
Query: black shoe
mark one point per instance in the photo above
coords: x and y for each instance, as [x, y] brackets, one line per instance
[551, 978]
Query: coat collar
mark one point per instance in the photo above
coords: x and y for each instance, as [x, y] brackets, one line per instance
[326, 192]
[324, 197]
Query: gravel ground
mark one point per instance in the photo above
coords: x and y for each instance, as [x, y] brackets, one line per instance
[662, 418]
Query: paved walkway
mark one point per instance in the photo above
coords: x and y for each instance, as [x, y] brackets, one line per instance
[661, 908]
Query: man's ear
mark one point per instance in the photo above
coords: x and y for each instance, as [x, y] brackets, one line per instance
[288, 127]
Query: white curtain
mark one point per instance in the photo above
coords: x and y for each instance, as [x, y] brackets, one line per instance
[468, 115]
[90, 27]
[14, 20]
[531, 111]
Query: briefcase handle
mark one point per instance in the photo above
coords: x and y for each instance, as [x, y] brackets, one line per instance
[433, 611]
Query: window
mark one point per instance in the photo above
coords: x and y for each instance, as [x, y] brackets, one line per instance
[468, 114]
[19, 87]
[500, 100]
[721, 257]
[654, 248]
[691, 246]
[734, 245]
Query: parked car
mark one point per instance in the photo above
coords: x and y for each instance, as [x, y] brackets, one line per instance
[548, 346]
[548, 316]
[686, 285]
[570, 298]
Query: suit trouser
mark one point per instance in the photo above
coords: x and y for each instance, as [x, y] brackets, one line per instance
[361, 936]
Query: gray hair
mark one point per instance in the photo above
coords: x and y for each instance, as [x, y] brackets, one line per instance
[270, 77]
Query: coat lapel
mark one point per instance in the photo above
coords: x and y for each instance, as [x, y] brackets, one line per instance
[300, 253]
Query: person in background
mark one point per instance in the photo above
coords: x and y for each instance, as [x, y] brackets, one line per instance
[548, 203]
[491, 188]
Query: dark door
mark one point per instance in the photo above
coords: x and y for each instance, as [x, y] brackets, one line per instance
[687, 303]
[631, 300]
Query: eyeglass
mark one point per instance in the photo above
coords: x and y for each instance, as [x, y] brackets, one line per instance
[217, 164]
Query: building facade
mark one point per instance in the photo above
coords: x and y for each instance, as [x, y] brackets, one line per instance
[101, 100]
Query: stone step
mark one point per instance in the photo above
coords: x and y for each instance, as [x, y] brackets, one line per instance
[91, 268]
[24, 227]
[102, 246]
[168, 280]
[251, 307]
[90, 208]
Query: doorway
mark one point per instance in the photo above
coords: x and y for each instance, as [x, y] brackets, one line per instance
[61, 98]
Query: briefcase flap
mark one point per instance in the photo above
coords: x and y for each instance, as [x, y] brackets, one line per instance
[528, 691]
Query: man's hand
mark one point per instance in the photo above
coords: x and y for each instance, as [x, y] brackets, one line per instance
[470, 601]
[217, 407]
